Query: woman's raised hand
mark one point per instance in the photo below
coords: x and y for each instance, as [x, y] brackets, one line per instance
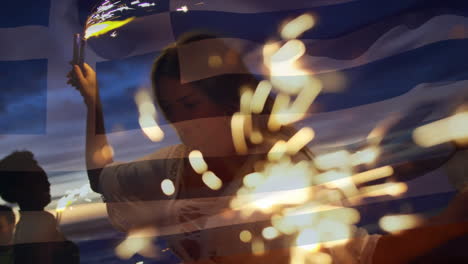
[84, 80]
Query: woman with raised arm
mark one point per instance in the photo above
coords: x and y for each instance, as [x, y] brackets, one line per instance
[198, 99]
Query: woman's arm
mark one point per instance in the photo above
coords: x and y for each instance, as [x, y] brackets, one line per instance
[98, 153]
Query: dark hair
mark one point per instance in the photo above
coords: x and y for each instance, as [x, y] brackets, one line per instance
[14, 171]
[227, 95]
[7, 212]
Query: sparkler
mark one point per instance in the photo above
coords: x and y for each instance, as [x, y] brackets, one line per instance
[104, 20]
[79, 45]
[319, 185]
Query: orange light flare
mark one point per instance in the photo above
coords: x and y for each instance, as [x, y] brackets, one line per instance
[138, 241]
[266, 190]
[197, 162]
[280, 106]
[348, 182]
[288, 77]
[297, 26]
[148, 116]
[211, 180]
[260, 96]
[245, 109]
[364, 156]
[238, 133]
[303, 198]
[299, 140]
[390, 188]
[300, 106]
[397, 223]
[453, 128]
[167, 186]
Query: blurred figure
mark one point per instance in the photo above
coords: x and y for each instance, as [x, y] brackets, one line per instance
[7, 226]
[37, 238]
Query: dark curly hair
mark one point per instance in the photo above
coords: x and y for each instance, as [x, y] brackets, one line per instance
[16, 169]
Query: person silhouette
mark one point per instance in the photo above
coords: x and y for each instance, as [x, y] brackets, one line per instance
[37, 238]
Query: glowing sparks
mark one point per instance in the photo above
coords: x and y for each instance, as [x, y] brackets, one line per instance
[212, 181]
[147, 4]
[395, 223]
[167, 187]
[151, 128]
[304, 100]
[258, 247]
[253, 180]
[299, 140]
[297, 26]
[268, 50]
[245, 236]
[273, 189]
[183, 9]
[441, 131]
[246, 100]
[215, 61]
[148, 115]
[277, 151]
[256, 137]
[331, 176]
[138, 242]
[333, 232]
[393, 189]
[373, 174]
[260, 96]
[333, 160]
[280, 106]
[308, 239]
[289, 52]
[197, 162]
[365, 156]
[238, 135]
[342, 214]
[104, 27]
[270, 233]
